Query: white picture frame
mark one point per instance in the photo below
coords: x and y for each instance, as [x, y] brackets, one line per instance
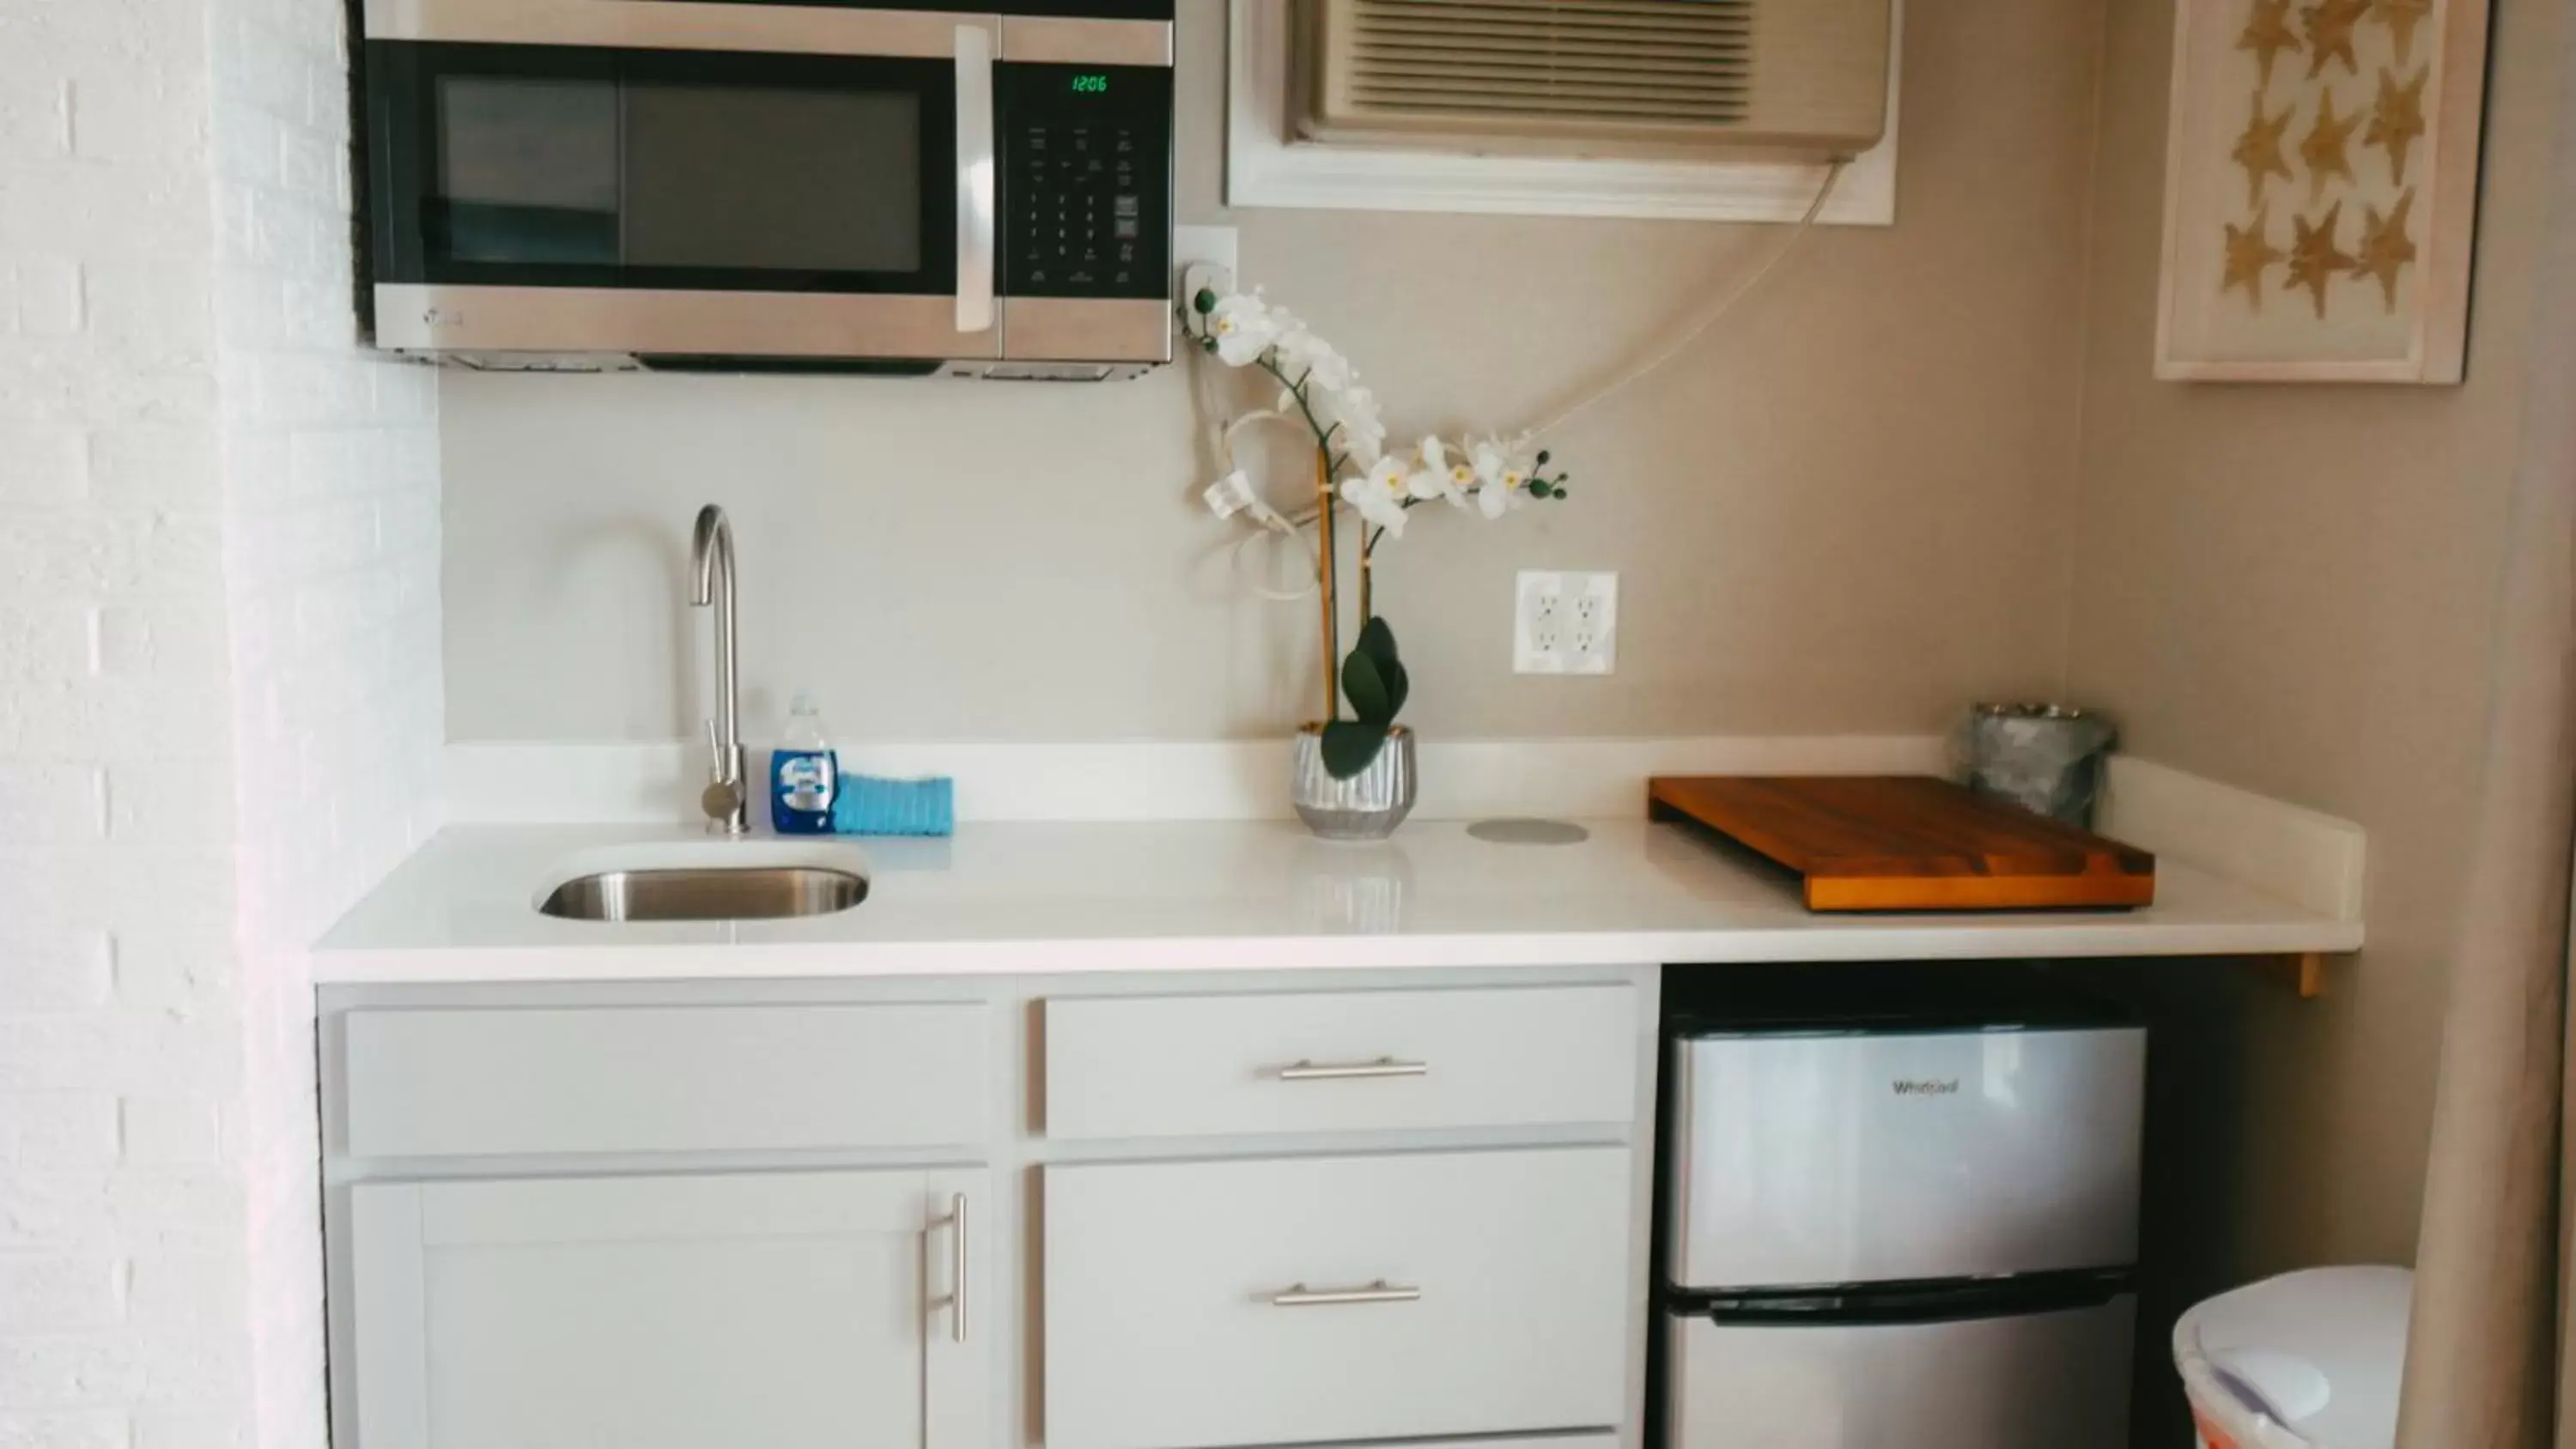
[2313, 231]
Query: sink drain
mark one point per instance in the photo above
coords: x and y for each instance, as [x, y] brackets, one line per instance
[1530, 832]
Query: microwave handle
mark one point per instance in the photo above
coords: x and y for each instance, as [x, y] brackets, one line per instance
[974, 179]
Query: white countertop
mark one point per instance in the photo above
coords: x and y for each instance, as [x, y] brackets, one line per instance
[1239, 895]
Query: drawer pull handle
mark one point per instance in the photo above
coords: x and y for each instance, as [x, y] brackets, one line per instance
[957, 1260]
[1381, 1291]
[1306, 1071]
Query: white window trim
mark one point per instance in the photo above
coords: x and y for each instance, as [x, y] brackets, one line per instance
[1265, 167]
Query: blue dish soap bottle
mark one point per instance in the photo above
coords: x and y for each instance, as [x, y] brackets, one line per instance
[804, 774]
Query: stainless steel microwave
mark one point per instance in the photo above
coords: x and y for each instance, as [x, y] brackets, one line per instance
[979, 190]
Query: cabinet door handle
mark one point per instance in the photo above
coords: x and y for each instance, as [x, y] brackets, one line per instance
[1381, 1291]
[1306, 1071]
[957, 1267]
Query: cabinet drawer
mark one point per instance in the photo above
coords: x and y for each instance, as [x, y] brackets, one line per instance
[2058, 1377]
[1192, 1304]
[1182, 1066]
[1603, 1440]
[442, 1083]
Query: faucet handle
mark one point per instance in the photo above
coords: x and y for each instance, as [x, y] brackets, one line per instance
[724, 797]
[720, 764]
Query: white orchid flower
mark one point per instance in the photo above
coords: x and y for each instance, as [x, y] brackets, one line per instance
[1467, 473]
[1391, 476]
[1379, 495]
[1433, 479]
[1244, 327]
[1364, 449]
[1352, 414]
[1493, 500]
[1358, 409]
[1312, 361]
[1502, 476]
[1505, 464]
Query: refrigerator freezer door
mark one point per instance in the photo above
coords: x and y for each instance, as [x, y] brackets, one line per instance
[2036, 1381]
[1831, 1159]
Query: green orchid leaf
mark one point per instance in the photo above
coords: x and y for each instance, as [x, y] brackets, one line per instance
[1364, 685]
[1350, 748]
[1398, 685]
[1377, 641]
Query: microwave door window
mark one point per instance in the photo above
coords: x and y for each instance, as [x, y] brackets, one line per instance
[772, 179]
[527, 171]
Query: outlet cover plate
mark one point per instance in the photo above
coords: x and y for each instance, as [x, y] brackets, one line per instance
[1565, 623]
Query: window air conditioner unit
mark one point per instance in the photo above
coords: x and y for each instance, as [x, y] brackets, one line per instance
[1629, 78]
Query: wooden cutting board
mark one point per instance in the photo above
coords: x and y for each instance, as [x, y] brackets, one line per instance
[1909, 843]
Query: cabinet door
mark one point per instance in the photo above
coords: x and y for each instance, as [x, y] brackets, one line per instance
[780, 1310]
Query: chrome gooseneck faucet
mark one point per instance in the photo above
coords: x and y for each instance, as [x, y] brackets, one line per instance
[727, 797]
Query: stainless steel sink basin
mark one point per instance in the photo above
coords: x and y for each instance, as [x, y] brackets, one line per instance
[706, 893]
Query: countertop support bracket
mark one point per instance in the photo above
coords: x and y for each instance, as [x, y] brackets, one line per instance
[2303, 972]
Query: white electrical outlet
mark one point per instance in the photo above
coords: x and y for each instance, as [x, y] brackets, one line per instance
[1565, 623]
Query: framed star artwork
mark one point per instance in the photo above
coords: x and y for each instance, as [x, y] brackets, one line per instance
[2321, 178]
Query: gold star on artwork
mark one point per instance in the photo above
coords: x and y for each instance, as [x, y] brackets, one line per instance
[2385, 247]
[2397, 118]
[2250, 254]
[2401, 17]
[2258, 150]
[2326, 147]
[2267, 34]
[2329, 25]
[2314, 258]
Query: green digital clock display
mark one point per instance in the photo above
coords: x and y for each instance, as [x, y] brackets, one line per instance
[1091, 83]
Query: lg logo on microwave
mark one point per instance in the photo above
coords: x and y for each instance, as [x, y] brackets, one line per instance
[1926, 1086]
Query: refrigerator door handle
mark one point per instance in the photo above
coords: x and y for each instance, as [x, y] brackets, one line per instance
[1907, 1303]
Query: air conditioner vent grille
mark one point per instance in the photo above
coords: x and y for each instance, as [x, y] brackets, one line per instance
[1680, 61]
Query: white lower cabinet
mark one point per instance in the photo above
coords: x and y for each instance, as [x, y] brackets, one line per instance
[1197, 1305]
[1348, 1210]
[790, 1310]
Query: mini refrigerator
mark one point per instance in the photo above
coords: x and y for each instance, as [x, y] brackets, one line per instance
[1900, 1224]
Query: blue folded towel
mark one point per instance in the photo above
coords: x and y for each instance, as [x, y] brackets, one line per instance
[867, 805]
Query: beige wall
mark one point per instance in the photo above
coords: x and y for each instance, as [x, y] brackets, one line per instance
[1860, 505]
[2292, 588]
[1851, 510]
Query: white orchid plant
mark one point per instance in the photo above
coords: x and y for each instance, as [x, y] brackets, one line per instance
[1490, 476]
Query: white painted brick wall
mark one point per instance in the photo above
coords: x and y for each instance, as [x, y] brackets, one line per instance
[220, 705]
[329, 458]
[106, 332]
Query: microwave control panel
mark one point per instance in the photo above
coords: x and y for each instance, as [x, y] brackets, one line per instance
[1086, 186]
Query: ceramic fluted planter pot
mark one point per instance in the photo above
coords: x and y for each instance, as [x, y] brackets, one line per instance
[1368, 805]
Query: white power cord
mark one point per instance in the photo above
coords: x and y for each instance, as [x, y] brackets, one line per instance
[1708, 318]
[1270, 521]
[1234, 494]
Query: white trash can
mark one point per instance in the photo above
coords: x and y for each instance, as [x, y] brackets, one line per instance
[2304, 1361]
